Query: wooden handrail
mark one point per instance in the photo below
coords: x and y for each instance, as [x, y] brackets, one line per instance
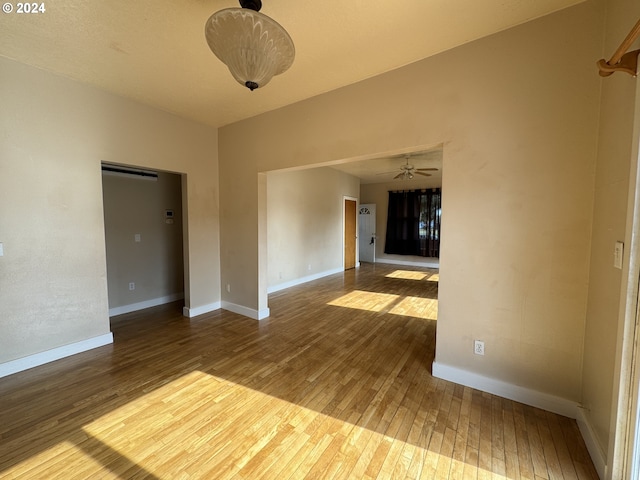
[623, 61]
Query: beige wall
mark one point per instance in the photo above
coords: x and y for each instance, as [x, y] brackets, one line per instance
[55, 133]
[305, 222]
[517, 114]
[136, 206]
[609, 225]
[378, 194]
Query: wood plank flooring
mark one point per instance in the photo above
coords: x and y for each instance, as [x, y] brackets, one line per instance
[336, 384]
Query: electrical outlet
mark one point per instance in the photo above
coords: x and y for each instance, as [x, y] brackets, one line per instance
[228, 288]
[132, 286]
[309, 267]
[137, 238]
[478, 347]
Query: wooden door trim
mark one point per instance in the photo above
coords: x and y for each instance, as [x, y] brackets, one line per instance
[344, 202]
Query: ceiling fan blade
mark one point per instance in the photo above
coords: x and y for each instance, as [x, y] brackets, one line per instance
[427, 169]
[386, 173]
[399, 175]
[423, 174]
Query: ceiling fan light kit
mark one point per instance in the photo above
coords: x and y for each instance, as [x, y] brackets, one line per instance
[252, 45]
[407, 171]
[406, 175]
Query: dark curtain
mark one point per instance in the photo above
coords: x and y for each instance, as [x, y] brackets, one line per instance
[413, 223]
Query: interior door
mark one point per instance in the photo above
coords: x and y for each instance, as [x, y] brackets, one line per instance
[367, 232]
[349, 234]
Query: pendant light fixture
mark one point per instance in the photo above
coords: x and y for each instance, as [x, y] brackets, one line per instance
[253, 46]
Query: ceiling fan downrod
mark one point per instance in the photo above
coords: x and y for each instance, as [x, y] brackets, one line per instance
[251, 4]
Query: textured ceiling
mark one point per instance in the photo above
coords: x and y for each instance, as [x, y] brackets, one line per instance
[154, 51]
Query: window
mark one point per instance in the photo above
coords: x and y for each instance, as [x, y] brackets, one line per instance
[413, 223]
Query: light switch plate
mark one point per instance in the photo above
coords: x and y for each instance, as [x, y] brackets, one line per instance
[618, 254]
[1, 250]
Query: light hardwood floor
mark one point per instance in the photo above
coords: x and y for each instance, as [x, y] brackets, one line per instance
[335, 384]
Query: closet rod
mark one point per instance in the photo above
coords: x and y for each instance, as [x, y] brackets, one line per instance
[623, 61]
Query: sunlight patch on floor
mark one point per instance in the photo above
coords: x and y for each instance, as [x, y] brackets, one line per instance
[414, 275]
[407, 275]
[197, 424]
[62, 457]
[418, 307]
[361, 300]
[205, 426]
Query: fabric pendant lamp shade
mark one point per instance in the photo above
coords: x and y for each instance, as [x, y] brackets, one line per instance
[253, 46]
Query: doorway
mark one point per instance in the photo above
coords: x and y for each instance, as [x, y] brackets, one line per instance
[367, 232]
[143, 224]
[350, 233]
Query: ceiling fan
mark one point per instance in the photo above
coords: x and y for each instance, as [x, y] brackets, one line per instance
[407, 171]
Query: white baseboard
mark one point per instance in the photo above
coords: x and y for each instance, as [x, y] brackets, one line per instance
[154, 302]
[25, 363]
[195, 311]
[232, 307]
[591, 440]
[408, 263]
[246, 311]
[300, 281]
[524, 395]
